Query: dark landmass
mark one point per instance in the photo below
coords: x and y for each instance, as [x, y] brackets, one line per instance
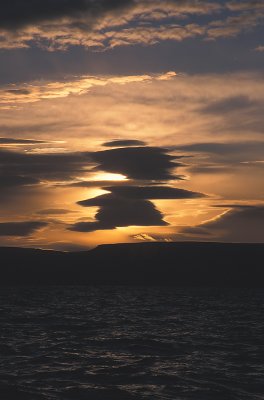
[177, 264]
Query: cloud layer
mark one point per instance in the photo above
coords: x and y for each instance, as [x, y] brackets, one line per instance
[58, 24]
[194, 129]
[119, 212]
[37, 91]
[238, 224]
[130, 206]
[126, 205]
[20, 228]
[147, 163]
[17, 13]
[20, 168]
[151, 192]
[124, 143]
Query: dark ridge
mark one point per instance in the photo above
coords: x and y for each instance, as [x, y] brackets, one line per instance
[176, 264]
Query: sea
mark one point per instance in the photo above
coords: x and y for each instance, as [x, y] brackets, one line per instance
[131, 343]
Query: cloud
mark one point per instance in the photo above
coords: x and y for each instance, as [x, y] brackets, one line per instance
[144, 35]
[37, 91]
[25, 128]
[147, 163]
[226, 152]
[239, 224]
[9, 181]
[20, 228]
[124, 143]
[94, 184]
[137, 163]
[233, 25]
[145, 110]
[60, 38]
[55, 211]
[222, 148]
[245, 5]
[166, 113]
[230, 104]
[60, 166]
[119, 212]
[18, 92]
[260, 48]
[25, 172]
[225, 159]
[129, 206]
[14, 141]
[17, 13]
[152, 192]
[84, 14]
[144, 237]
[104, 24]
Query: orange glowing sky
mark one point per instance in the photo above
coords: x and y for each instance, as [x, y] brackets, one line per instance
[145, 125]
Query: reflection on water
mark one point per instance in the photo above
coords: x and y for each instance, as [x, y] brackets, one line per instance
[117, 343]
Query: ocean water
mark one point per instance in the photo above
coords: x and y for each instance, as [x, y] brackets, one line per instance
[118, 343]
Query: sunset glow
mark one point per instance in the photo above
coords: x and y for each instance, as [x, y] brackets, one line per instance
[146, 125]
[108, 177]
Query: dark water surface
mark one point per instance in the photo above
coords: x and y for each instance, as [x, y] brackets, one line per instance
[112, 343]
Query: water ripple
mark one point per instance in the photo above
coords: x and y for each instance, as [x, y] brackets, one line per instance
[131, 343]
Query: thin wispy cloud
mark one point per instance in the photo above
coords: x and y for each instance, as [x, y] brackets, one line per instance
[36, 91]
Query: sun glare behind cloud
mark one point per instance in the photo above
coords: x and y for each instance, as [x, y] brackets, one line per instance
[104, 176]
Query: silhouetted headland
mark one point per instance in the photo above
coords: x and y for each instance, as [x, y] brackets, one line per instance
[177, 264]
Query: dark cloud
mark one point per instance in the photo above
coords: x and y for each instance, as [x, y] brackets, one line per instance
[223, 155]
[6, 141]
[105, 184]
[124, 143]
[124, 206]
[17, 13]
[142, 164]
[245, 5]
[137, 163]
[240, 224]
[119, 212]
[18, 92]
[78, 22]
[9, 181]
[222, 148]
[148, 163]
[93, 184]
[19, 171]
[20, 228]
[129, 205]
[152, 192]
[229, 104]
[55, 211]
[239, 206]
[60, 166]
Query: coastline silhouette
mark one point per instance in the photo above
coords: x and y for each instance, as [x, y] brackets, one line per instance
[178, 264]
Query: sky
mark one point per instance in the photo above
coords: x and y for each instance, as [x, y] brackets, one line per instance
[131, 121]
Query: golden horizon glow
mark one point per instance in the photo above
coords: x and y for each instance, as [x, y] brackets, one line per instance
[153, 111]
